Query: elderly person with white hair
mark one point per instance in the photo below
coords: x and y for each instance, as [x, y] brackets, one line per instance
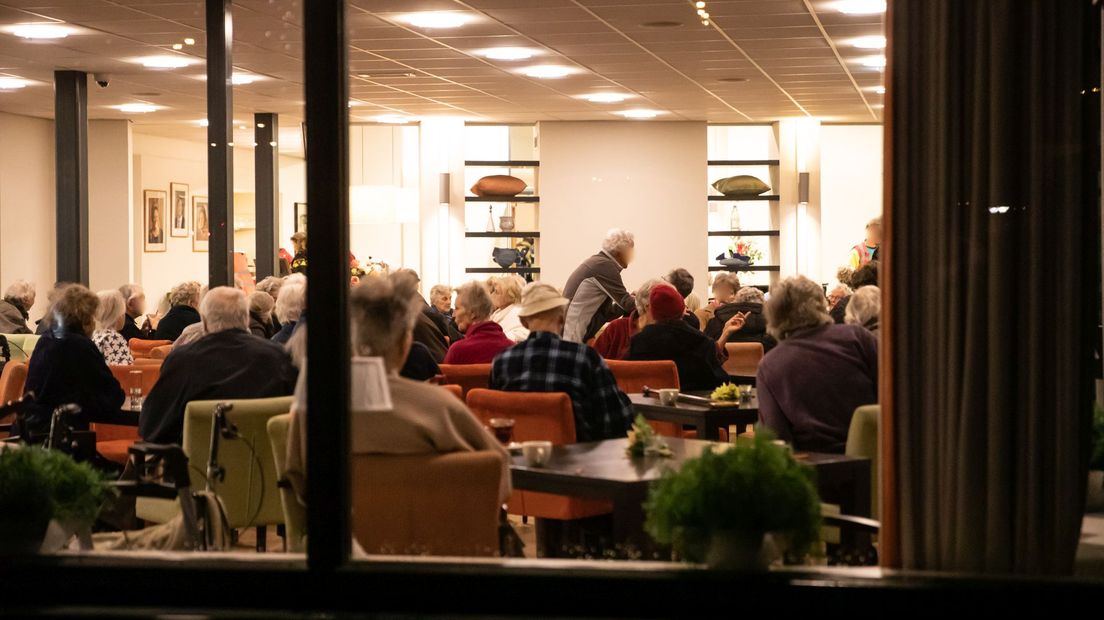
[596, 291]
[260, 315]
[184, 311]
[505, 294]
[227, 363]
[865, 308]
[110, 318]
[612, 342]
[134, 298]
[748, 302]
[483, 338]
[15, 308]
[820, 372]
[289, 308]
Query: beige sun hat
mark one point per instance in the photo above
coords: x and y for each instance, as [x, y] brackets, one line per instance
[538, 297]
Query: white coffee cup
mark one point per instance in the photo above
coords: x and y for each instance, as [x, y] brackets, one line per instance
[668, 396]
[536, 453]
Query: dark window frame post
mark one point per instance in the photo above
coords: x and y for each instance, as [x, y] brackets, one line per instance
[71, 182]
[220, 143]
[266, 154]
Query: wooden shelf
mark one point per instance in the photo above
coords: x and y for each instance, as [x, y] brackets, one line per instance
[502, 198]
[517, 270]
[748, 268]
[743, 162]
[506, 163]
[494, 235]
[761, 197]
[744, 233]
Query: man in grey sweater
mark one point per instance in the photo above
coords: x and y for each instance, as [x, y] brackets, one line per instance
[595, 288]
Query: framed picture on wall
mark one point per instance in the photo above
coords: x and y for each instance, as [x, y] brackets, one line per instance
[201, 225]
[300, 217]
[178, 194]
[155, 202]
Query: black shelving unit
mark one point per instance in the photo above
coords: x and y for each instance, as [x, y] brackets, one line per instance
[506, 163]
[518, 270]
[748, 268]
[743, 162]
[494, 235]
[744, 233]
[501, 198]
[764, 197]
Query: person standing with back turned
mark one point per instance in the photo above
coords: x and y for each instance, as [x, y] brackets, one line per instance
[595, 289]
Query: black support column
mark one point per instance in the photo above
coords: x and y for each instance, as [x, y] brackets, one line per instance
[267, 175]
[327, 148]
[71, 150]
[220, 143]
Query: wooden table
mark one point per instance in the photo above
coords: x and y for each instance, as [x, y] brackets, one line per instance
[707, 420]
[600, 470]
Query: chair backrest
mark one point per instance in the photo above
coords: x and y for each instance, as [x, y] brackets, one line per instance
[161, 352]
[12, 381]
[455, 390]
[141, 348]
[538, 416]
[633, 377]
[862, 441]
[295, 514]
[743, 358]
[150, 373]
[439, 504]
[467, 376]
[22, 346]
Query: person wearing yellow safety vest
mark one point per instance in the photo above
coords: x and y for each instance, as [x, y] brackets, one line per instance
[868, 250]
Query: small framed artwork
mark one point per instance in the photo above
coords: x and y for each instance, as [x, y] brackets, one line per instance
[201, 225]
[154, 201]
[178, 194]
[301, 217]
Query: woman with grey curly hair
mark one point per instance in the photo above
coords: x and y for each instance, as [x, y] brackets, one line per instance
[820, 372]
[184, 311]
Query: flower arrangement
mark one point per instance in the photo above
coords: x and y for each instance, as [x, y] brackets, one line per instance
[644, 441]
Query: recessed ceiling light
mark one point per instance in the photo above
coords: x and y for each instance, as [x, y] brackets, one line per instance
[640, 113]
[874, 62]
[393, 119]
[436, 19]
[170, 61]
[203, 122]
[605, 97]
[12, 83]
[879, 89]
[548, 71]
[860, 7]
[874, 42]
[507, 53]
[40, 31]
[663, 23]
[354, 102]
[137, 108]
[189, 41]
[241, 79]
[178, 46]
[376, 75]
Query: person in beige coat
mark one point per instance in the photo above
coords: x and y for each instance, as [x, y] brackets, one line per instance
[424, 418]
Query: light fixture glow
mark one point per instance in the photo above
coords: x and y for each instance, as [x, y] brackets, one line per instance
[189, 41]
[435, 19]
[12, 83]
[874, 42]
[605, 97]
[548, 72]
[1000, 209]
[172, 61]
[137, 108]
[880, 90]
[699, 4]
[640, 113]
[178, 46]
[874, 62]
[203, 122]
[393, 119]
[40, 31]
[242, 79]
[507, 53]
[860, 7]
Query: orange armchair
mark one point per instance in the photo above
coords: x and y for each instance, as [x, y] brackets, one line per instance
[743, 358]
[437, 504]
[632, 377]
[161, 352]
[547, 416]
[113, 441]
[467, 376]
[455, 390]
[142, 348]
[12, 381]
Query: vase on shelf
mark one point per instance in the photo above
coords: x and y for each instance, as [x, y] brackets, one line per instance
[734, 219]
[506, 222]
[490, 220]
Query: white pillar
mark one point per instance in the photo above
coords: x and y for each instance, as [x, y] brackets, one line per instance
[111, 217]
[442, 224]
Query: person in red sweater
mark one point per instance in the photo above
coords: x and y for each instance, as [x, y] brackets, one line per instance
[612, 342]
[483, 338]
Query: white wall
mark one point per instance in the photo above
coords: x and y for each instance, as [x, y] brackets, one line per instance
[645, 177]
[110, 187]
[850, 190]
[27, 204]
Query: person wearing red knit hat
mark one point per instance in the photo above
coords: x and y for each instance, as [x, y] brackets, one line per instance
[668, 337]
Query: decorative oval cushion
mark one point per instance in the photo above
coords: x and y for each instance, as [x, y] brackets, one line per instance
[740, 185]
[498, 185]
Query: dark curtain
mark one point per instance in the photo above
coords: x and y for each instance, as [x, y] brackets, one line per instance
[994, 257]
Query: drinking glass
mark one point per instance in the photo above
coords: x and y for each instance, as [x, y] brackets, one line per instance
[135, 389]
[503, 429]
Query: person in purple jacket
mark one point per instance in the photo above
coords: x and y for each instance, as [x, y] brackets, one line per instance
[810, 384]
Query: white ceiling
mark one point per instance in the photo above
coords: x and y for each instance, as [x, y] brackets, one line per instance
[794, 54]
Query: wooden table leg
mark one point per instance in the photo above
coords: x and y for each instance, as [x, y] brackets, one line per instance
[628, 526]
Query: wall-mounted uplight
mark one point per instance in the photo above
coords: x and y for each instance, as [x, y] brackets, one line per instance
[507, 53]
[639, 113]
[169, 61]
[435, 19]
[137, 108]
[40, 31]
[548, 72]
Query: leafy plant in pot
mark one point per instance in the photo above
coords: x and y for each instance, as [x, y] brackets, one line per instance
[720, 508]
[39, 485]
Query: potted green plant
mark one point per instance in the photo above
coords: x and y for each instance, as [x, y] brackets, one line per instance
[720, 508]
[1094, 500]
[39, 485]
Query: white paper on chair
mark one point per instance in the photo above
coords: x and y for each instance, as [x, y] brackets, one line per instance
[369, 385]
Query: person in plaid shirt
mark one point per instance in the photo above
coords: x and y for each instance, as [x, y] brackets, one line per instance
[547, 363]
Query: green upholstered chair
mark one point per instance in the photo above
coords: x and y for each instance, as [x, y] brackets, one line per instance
[862, 441]
[249, 492]
[22, 345]
[295, 514]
